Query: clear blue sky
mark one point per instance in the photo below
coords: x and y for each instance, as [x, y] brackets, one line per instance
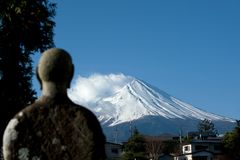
[188, 48]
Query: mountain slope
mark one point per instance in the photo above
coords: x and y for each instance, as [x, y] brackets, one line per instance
[137, 104]
[138, 99]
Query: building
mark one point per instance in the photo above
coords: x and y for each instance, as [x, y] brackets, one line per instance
[205, 149]
[113, 150]
[166, 157]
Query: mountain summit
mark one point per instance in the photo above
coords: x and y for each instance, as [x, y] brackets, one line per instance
[138, 99]
[151, 110]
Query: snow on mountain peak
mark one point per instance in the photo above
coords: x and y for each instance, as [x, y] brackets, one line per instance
[119, 98]
[87, 90]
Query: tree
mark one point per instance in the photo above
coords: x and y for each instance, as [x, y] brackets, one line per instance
[26, 27]
[207, 127]
[231, 143]
[171, 146]
[135, 148]
[154, 147]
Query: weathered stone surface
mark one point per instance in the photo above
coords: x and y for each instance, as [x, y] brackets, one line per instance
[54, 128]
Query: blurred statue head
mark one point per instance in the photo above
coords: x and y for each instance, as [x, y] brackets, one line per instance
[55, 66]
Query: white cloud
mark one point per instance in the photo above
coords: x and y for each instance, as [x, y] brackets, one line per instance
[87, 90]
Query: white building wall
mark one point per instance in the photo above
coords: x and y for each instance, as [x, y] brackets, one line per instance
[187, 149]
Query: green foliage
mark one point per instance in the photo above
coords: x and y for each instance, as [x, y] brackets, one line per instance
[231, 143]
[135, 147]
[206, 126]
[27, 24]
[26, 27]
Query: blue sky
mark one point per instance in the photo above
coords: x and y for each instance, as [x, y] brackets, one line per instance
[188, 48]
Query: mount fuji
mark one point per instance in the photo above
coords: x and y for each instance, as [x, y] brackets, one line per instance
[152, 111]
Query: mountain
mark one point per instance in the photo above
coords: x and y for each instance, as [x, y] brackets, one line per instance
[152, 111]
[138, 99]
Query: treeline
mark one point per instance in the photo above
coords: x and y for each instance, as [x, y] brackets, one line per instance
[142, 147]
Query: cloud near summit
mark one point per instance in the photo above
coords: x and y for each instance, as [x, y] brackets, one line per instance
[87, 90]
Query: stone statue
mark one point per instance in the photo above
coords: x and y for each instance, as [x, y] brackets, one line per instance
[53, 127]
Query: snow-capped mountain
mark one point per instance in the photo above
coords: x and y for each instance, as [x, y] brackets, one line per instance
[138, 99]
[151, 110]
